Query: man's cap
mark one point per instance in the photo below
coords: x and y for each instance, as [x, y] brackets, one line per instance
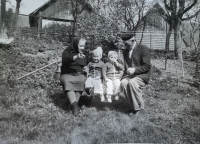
[127, 35]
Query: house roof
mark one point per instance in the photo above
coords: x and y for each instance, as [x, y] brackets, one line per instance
[43, 7]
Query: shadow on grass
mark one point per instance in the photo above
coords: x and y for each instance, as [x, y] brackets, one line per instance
[62, 102]
[119, 105]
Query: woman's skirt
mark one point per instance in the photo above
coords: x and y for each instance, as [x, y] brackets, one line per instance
[73, 82]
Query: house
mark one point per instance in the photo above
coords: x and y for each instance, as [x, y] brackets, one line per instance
[55, 10]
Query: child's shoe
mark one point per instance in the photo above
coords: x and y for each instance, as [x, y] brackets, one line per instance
[102, 98]
[88, 92]
[109, 98]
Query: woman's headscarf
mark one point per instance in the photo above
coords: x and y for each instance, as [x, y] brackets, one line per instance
[74, 45]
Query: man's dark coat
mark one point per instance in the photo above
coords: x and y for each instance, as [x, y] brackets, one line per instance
[140, 60]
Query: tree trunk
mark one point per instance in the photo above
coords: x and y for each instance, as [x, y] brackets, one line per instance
[15, 24]
[3, 29]
[74, 27]
[177, 50]
[198, 55]
[168, 38]
[3, 10]
[167, 44]
[143, 30]
[75, 19]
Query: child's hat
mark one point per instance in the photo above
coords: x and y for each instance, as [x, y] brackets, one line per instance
[98, 50]
[111, 53]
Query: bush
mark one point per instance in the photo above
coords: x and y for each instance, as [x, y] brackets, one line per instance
[191, 55]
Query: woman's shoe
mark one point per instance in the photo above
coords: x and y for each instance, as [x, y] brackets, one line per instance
[75, 109]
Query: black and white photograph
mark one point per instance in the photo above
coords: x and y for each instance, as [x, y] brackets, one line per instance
[99, 71]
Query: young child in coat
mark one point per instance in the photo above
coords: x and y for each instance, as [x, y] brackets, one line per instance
[114, 72]
[96, 73]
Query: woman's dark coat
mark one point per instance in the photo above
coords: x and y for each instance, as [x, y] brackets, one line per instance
[68, 65]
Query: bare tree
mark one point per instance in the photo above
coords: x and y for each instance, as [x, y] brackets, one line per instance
[173, 12]
[131, 13]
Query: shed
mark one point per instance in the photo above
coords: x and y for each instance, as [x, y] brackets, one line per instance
[56, 10]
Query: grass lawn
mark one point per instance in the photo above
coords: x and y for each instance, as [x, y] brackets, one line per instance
[33, 110]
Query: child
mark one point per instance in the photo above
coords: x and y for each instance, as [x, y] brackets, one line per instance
[114, 71]
[96, 72]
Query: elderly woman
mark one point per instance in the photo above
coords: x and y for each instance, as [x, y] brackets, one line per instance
[72, 75]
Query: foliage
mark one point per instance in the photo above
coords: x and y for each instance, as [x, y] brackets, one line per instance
[162, 54]
[191, 55]
[131, 13]
[78, 6]
[59, 32]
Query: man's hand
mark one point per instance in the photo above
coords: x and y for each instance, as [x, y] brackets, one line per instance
[130, 71]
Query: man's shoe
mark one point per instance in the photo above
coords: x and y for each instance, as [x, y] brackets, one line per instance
[135, 111]
[128, 111]
[132, 111]
[75, 109]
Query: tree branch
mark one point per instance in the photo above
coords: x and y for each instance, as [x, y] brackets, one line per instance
[181, 7]
[183, 19]
[167, 6]
[162, 13]
[189, 7]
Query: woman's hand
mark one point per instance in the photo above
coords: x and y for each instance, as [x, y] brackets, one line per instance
[79, 56]
[85, 69]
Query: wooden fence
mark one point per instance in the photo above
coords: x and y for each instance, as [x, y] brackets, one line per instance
[156, 40]
[153, 40]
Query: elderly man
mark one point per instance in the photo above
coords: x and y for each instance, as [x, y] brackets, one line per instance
[137, 71]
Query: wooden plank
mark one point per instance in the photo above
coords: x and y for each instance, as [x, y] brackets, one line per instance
[58, 19]
[6, 40]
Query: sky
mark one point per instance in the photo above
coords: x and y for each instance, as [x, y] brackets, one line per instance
[27, 6]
